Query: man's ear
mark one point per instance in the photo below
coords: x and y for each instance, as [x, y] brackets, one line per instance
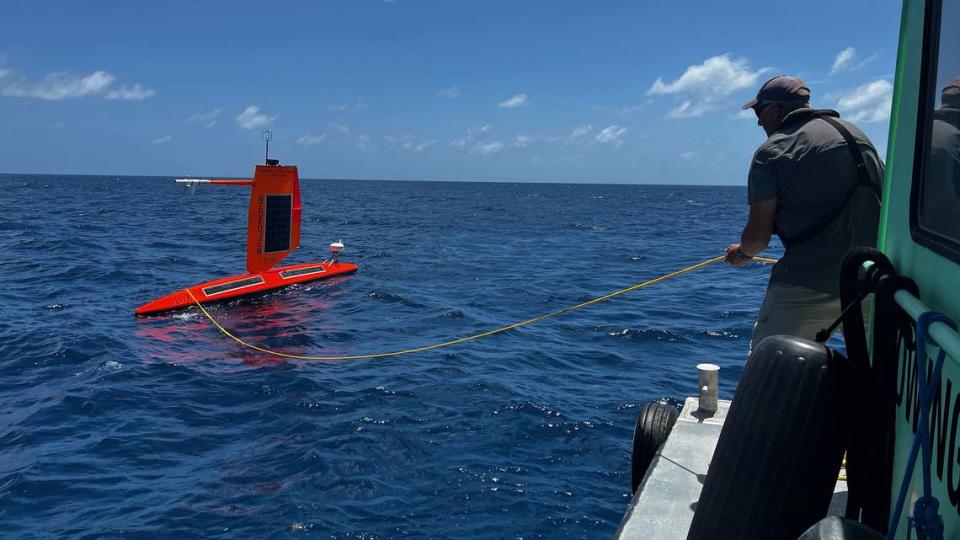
[782, 112]
[770, 112]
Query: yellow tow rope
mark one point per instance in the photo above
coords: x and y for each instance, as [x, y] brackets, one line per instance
[502, 329]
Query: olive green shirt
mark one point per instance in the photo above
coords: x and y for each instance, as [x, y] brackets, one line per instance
[807, 167]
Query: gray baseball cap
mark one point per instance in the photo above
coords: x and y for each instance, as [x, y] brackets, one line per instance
[782, 88]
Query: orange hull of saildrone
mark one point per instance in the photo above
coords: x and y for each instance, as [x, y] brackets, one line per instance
[219, 290]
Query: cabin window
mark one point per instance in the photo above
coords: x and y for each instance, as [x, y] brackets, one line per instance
[935, 208]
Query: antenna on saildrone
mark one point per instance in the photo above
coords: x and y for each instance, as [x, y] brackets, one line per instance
[267, 137]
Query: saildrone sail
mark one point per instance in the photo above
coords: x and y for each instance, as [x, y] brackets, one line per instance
[273, 220]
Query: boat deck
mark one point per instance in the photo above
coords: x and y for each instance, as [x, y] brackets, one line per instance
[663, 506]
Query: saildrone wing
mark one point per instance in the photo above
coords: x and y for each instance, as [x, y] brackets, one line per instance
[273, 222]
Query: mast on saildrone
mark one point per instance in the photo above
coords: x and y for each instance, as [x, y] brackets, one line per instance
[273, 216]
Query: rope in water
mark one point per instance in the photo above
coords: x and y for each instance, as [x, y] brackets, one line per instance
[495, 331]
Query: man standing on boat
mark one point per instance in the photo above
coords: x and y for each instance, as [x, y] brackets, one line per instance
[815, 182]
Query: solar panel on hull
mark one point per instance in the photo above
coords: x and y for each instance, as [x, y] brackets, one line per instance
[287, 274]
[233, 285]
[277, 223]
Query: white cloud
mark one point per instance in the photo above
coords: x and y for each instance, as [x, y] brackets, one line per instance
[307, 140]
[580, 131]
[867, 103]
[705, 87]
[449, 93]
[162, 140]
[522, 141]
[487, 148]
[475, 141]
[844, 60]
[207, 119]
[57, 86]
[691, 109]
[409, 142]
[579, 136]
[623, 109]
[339, 127]
[251, 118]
[356, 105]
[708, 76]
[611, 135]
[848, 60]
[517, 100]
[363, 142]
[627, 109]
[61, 85]
[130, 93]
[415, 146]
[688, 156]
[472, 138]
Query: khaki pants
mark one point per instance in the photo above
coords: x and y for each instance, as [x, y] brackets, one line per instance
[794, 310]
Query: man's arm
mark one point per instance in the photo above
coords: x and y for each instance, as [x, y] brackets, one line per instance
[756, 234]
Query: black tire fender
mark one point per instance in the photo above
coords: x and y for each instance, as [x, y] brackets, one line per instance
[654, 423]
[776, 461]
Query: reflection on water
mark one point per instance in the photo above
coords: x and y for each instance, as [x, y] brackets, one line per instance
[299, 320]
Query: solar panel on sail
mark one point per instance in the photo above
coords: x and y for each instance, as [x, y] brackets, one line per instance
[277, 223]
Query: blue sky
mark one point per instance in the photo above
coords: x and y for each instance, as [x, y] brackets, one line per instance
[634, 92]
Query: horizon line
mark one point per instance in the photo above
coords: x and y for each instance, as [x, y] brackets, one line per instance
[583, 182]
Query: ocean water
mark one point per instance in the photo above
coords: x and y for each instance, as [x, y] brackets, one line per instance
[117, 427]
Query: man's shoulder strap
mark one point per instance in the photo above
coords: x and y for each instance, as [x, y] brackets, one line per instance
[863, 180]
[852, 144]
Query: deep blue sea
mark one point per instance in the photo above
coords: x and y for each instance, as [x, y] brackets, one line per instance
[117, 427]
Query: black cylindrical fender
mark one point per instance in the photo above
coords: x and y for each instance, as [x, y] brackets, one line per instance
[776, 462]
